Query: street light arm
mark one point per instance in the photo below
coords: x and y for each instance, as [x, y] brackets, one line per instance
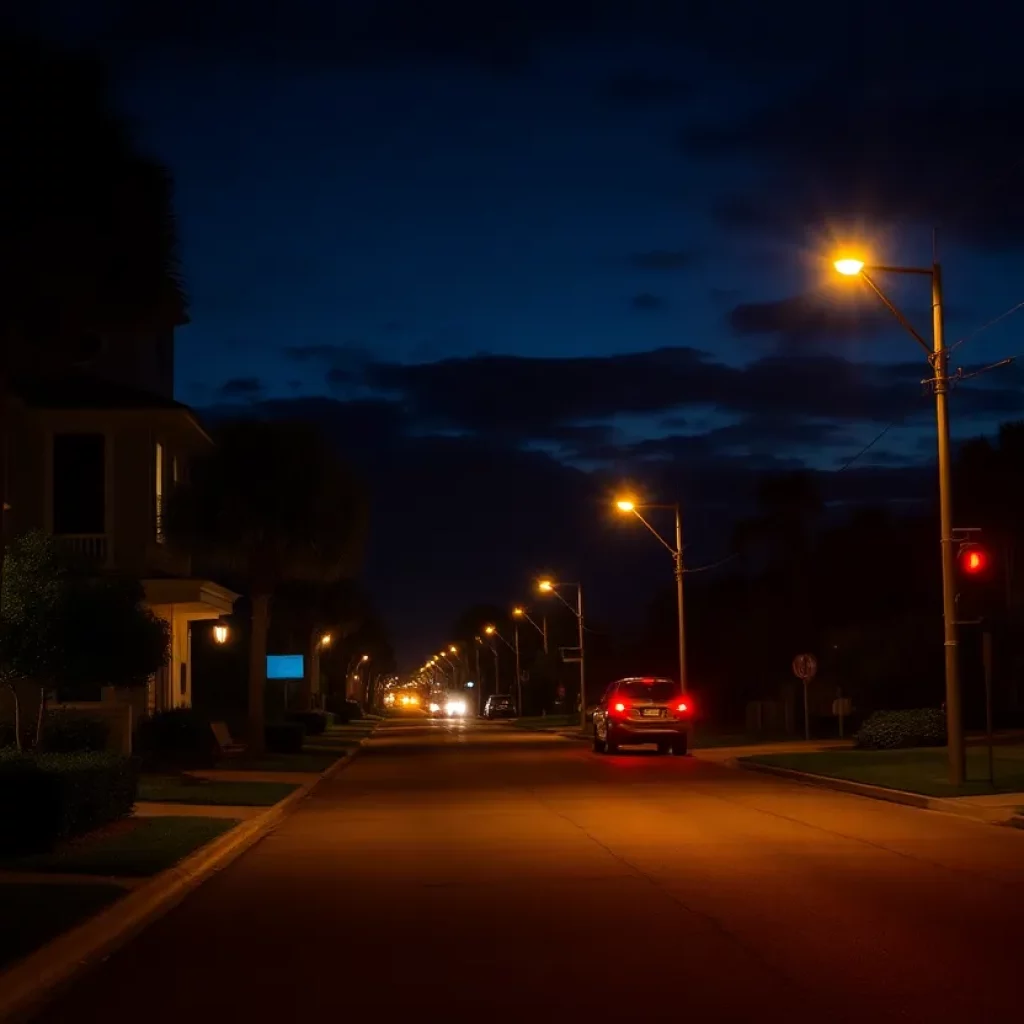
[566, 603]
[532, 623]
[903, 321]
[668, 547]
[503, 640]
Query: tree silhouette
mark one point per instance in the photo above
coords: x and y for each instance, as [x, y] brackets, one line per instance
[269, 505]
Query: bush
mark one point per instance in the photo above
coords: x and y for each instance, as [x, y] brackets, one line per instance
[181, 738]
[65, 732]
[889, 730]
[7, 737]
[49, 797]
[284, 738]
[314, 723]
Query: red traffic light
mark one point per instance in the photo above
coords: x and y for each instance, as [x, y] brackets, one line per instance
[973, 559]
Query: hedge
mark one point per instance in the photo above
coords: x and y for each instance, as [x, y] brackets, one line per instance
[890, 730]
[284, 738]
[49, 797]
[313, 723]
[68, 732]
[180, 738]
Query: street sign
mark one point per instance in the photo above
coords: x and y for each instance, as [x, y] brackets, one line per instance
[805, 667]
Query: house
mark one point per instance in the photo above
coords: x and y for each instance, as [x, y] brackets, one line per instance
[92, 454]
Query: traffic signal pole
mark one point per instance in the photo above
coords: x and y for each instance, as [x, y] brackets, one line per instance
[940, 383]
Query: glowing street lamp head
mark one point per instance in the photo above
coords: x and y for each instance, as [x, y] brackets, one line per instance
[848, 266]
[365, 657]
[325, 640]
[545, 586]
[517, 612]
[625, 505]
[490, 630]
[453, 649]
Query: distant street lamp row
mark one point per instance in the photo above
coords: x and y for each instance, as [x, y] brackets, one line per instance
[547, 586]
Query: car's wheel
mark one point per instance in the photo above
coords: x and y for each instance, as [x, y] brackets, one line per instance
[679, 746]
[664, 748]
[599, 744]
[611, 745]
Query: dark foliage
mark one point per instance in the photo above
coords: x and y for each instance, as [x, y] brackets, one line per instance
[890, 730]
[284, 737]
[181, 738]
[314, 723]
[66, 732]
[50, 797]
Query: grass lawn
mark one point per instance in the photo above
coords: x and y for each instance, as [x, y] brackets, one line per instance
[918, 771]
[132, 848]
[313, 761]
[187, 789]
[33, 914]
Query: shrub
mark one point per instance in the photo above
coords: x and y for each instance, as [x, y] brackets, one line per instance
[889, 730]
[180, 738]
[49, 797]
[65, 732]
[7, 737]
[313, 723]
[284, 738]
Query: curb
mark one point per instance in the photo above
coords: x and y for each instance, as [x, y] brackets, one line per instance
[893, 796]
[30, 982]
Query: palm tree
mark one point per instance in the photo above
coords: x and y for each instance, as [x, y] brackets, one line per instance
[269, 505]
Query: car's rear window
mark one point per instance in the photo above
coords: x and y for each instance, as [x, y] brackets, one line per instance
[660, 690]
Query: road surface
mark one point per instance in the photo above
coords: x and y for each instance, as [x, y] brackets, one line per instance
[476, 873]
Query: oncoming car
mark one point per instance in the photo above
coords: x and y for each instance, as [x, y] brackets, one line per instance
[643, 710]
[454, 707]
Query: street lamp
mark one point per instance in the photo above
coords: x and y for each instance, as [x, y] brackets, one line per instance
[937, 355]
[628, 507]
[548, 586]
[325, 640]
[493, 631]
[521, 613]
[220, 633]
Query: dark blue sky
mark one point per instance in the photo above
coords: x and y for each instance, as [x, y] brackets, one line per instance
[632, 205]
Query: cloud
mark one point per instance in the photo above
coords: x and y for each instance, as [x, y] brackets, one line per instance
[840, 154]
[522, 398]
[803, 320]
[645, 302]
[662, 259]
[242, 387]
[640, 90]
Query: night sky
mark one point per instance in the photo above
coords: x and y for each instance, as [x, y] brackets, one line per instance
[521, 250]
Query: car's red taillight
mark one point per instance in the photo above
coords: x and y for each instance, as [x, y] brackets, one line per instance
[682, 707]
[620, 707]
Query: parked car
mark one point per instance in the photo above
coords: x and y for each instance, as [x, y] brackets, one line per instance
[499, 705]
[643, 710]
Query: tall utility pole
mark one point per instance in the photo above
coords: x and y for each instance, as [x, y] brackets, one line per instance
[940, 381]
[679, 599]
[938, 359]
[519, 673]
[583, 671]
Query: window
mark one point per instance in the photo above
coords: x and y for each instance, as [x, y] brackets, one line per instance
[79, 484]
[656, 689]
[158, 477]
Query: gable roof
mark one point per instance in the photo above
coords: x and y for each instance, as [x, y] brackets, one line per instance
[79, 391]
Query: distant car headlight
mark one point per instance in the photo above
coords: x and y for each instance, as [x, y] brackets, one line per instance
[434, 708]
[456, 707]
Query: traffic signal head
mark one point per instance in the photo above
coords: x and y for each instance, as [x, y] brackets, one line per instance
[973, 560]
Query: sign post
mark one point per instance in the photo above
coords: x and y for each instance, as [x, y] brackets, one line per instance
[805, 668]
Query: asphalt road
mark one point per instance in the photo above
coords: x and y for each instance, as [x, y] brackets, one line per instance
[474, 873]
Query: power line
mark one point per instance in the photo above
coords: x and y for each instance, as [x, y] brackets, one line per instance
[713, 565]
[871, 444]
[970, 337]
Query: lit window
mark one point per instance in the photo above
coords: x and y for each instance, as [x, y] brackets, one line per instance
[158, 494]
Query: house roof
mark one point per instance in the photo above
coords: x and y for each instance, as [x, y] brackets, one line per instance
[79, 391]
